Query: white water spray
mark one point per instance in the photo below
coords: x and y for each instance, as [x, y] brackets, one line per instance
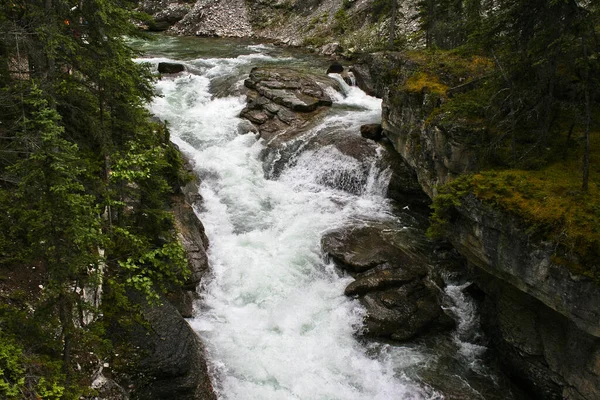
[273, 314]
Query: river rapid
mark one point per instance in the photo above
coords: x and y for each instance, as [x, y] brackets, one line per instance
[272, 313]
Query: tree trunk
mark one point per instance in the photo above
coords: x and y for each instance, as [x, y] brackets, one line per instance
[66, 320]
[586, 154]
[393, 23]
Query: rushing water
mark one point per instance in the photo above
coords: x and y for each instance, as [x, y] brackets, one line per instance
[272, 313]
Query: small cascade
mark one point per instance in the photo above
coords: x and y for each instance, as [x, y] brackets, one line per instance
[467, 335]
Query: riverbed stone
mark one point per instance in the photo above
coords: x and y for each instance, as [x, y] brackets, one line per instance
[170, 68]
[361, 249]
[394, 286]
[371, 131]
[284, 100]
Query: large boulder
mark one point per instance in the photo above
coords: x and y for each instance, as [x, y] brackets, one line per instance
[372, 131]
[170, 361]
[394, 285]
[170, 68]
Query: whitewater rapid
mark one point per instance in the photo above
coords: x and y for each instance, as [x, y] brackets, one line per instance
[272, 312]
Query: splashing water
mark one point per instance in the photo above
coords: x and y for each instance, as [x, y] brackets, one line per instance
[272, 313]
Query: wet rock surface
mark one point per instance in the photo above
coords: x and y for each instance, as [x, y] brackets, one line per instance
[284, 101]
[170, 68]
[171, 362]
[284, 104]
[372, 131]
[195, 242]
[395, 287]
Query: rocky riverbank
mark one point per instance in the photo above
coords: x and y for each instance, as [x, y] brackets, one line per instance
[164, 358]
[541, 317]
[327, 26]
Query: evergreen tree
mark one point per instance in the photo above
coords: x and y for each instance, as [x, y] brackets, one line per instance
[85, 177]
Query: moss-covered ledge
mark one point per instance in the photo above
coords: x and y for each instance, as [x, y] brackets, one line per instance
[501, 244]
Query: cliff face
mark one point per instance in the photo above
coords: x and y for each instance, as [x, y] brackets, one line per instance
[544, 320]
[168, 358]
[437, 149]
[328, 26]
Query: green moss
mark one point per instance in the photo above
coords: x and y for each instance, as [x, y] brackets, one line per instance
[549, 201]
[315, 41]
[342, 21]
[421, 81]
[451, 68]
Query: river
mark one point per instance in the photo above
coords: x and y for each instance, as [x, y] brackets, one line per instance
[272, 311]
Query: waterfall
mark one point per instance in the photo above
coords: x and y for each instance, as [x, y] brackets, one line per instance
[272, 313]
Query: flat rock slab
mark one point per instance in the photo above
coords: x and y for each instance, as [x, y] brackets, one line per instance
[284, 100]
[383, 279]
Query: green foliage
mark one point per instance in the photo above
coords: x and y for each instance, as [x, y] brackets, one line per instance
[12, 373]
[346, 4]
[315, 41]
[342, 21]
[85, 186]
[156, 268]
[26, 377]
[444, 205]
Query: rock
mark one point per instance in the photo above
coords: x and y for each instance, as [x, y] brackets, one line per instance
[500, 244]
[170, 68]
[335, 68]
[190, 232]
[371, 131]
[543, 351]
[383, 279]
[106, 388]
[330, 49]
[288, 88]
[404, 185]
[183, 301]
[282, 98]
[362, 248]
[372, 71]
[257, 116]
[159, 26]
[166, 16]
[349, 78]
[171, 362]
[393, 285]
[405, 312]
[543, 319]
[364, 80]
[245, 127]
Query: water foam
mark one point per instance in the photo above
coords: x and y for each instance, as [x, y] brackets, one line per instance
[273, 314]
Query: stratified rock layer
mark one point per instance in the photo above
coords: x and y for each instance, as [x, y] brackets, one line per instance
[394, 286]
[545, 315]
